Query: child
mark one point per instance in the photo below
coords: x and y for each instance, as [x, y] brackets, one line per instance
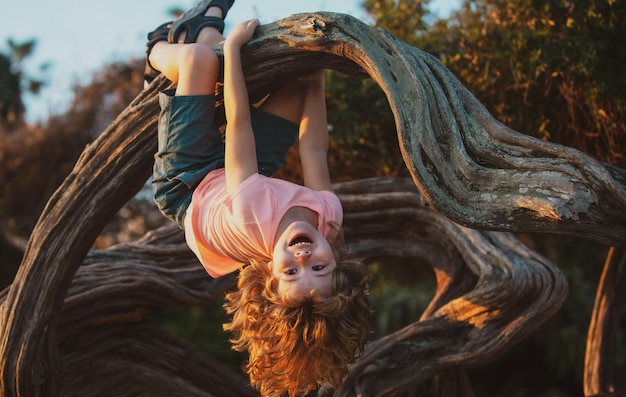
[301, 308]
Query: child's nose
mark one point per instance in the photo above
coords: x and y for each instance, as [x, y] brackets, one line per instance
[303, 254]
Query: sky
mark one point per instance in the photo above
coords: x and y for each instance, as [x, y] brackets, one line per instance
[83, 36]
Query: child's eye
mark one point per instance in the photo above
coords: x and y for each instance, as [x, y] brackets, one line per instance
[291, 272]
[317, 268]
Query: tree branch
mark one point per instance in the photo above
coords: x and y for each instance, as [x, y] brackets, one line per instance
[602, 336]
[466, 165]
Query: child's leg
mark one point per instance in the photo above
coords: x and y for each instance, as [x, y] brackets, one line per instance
[276, 124]
[194, 67]
[162, 57]
[189, 143]
[288, 102]
[173, 59]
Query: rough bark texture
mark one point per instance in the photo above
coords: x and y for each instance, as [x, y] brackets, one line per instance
[603, 335]
[73, 330]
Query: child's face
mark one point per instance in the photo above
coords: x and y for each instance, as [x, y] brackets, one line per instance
[303, 261]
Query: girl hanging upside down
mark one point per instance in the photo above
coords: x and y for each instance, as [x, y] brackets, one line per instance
[301, 307]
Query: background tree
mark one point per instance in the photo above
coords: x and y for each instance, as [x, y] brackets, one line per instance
[14, 82]
[550, 68]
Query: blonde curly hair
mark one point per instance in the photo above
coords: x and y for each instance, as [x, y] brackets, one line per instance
[295, 347]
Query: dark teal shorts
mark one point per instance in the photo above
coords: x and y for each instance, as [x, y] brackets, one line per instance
[191, 145]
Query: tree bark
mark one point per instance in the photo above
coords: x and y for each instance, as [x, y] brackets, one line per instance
[469, 169]
[603, 334]
[101, 336]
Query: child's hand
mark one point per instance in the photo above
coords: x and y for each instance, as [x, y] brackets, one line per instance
[242, 33]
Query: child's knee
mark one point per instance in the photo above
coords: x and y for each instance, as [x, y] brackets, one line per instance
[198, 57]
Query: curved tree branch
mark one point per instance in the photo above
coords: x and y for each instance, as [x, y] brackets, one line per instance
[485, 302]
[466, 165]
[109, 172]
[513, 291]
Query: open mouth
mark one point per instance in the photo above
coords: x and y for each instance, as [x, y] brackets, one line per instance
[300, 239]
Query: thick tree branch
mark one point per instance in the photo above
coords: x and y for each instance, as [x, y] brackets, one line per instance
[466, 165]
[514, 290]
[496, 290]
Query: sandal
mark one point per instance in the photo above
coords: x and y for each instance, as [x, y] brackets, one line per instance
[158, 34]
[194, 20]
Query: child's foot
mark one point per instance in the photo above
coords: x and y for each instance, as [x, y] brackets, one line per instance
[207, 13]
[158, 34]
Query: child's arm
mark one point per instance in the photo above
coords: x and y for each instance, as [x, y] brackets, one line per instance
[314, 135]
[240, 152]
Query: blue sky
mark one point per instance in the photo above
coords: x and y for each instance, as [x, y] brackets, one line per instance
[85, 35]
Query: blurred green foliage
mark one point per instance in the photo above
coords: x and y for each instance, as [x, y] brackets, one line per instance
[14, 82]
[11, 106]
[400, 291]
[202, 325]
[364, 141]
[549, 68]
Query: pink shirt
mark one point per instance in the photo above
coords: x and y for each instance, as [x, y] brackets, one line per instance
[226, 230]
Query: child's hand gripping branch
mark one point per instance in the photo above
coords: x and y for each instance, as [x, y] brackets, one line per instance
[301, 308]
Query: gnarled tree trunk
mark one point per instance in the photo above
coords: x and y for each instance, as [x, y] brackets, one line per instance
[65, 326]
